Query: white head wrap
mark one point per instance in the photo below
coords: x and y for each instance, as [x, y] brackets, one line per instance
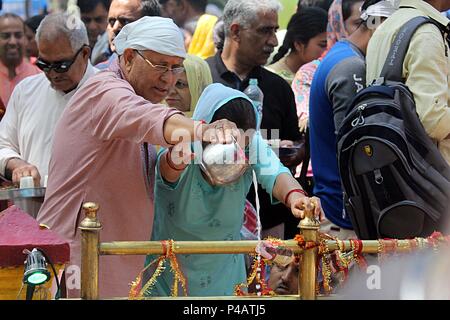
[383, 8]
[151, 33]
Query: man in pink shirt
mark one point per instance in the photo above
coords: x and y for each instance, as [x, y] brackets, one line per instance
[13, 66]
[97, 149]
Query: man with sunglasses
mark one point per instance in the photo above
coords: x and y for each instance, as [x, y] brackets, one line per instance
[13, 67]
[36, 104]
[103, 148]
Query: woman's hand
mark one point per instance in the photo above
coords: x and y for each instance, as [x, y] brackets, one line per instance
[300, 203]
[220, 131]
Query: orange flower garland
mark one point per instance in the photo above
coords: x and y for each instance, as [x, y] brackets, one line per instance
[139, 290]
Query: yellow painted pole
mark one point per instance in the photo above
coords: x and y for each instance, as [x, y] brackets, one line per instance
[186, 247]
[309, 228]
[90, 239]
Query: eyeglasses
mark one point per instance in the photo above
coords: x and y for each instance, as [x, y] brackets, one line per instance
[7, 35]
[59, 67]
[160, 68]
[99, 19]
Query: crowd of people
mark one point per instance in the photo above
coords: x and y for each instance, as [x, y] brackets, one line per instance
[113, 105]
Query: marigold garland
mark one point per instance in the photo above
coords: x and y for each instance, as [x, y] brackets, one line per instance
[305, 245]
[260, 280]
[340, 260]
[257, 274]
[179, 278]
[334, 262]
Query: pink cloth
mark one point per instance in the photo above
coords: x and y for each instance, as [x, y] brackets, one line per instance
[97, 157]
[301, 87]
[336, 27]
[7, 85]
[249, 230]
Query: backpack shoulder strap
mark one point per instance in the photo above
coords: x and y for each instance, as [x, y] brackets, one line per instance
[393, 67]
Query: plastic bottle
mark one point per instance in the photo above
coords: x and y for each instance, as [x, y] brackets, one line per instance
[256, 95]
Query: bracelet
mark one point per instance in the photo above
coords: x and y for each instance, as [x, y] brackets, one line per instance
[200, 137]
[294, 190]
[170, 163]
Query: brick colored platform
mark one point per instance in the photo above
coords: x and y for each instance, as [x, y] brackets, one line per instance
[19, 231]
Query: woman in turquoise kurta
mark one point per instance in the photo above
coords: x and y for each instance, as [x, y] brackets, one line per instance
[188, 208]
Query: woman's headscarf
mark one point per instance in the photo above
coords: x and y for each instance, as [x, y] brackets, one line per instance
[335, 28]
[215, 96]
[198, 77]
[202, 43]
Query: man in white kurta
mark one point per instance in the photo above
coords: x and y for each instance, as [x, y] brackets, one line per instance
[26, 131]
[36, 104]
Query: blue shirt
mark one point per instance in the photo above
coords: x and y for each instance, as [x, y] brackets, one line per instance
[106, 64]
[337, 80]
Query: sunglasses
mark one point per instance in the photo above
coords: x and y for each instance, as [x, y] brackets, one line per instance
[59, 67]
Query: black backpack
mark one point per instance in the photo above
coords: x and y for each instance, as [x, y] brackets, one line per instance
[396, 183]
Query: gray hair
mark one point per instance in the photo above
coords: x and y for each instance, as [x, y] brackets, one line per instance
[246, 12]
[68, 25]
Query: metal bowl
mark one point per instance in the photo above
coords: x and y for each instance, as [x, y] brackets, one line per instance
[28, 199]
[223, 164]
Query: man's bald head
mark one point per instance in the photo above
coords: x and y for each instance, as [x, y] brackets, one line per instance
[122, 12]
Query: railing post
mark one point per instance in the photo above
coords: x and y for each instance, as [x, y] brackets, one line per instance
[90, 241]
[309, 228]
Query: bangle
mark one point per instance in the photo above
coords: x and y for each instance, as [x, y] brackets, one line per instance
[200, 137]
[294, 190]
[170, 163]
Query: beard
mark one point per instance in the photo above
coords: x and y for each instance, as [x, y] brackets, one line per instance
[11, 58]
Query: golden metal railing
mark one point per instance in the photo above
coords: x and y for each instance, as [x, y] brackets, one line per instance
[309, 227]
